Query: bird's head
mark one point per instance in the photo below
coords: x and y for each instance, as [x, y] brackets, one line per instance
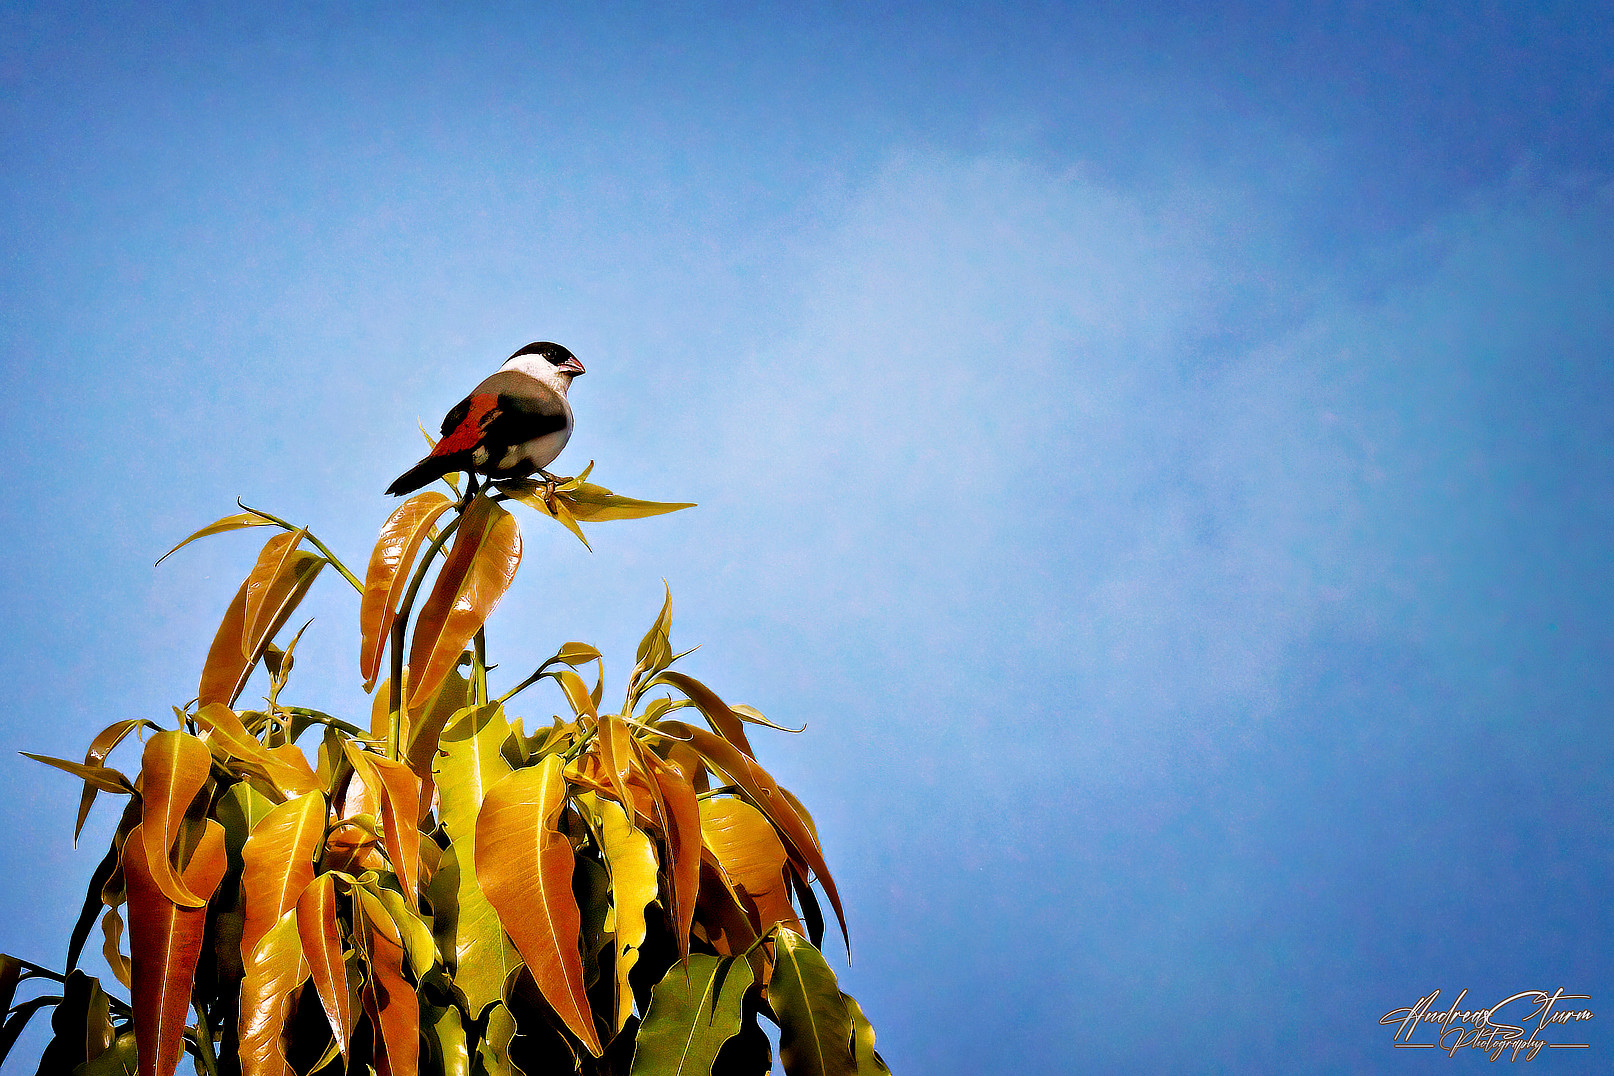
[549, 363]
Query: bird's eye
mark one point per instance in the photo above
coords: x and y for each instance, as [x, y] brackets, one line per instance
[555, 358]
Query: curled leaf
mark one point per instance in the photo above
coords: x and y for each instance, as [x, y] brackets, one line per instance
[173, 770]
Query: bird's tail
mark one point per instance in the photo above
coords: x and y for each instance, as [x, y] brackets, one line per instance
[427, 470]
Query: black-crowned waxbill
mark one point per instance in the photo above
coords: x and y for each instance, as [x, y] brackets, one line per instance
[511, 425]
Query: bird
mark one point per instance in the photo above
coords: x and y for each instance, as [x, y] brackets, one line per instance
[511, 425]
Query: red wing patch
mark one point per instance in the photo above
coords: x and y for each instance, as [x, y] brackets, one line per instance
[468, 433]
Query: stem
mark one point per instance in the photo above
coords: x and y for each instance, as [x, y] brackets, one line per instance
[204, 1042]
[400, 623]
[324, 551]
[479, 669]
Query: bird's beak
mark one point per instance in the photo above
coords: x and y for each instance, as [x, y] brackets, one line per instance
[571, 366]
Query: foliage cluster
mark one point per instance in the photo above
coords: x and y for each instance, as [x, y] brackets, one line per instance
[442, 891]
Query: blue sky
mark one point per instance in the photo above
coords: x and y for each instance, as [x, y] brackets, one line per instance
[1163, 456]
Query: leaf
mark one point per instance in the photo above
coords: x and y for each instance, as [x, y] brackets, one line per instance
[389, 1000]
[596, 504]
[107, 780]
[477, 572]
[655, 649]
[82, 1024]
[165, 940]
[682, 819]
[10, 975]
[815, 1029]
[322, 947]
[398, 790]
[226, 671]
[173, 770]
[18, 1020]
[451, 1052]
[112, 946]
[416, 935]
[93, 896]
[119, 1060]
[494, 1049]
[616, 754]
[524, 865]
[869, 1061]
[693, 1012]
[239, 809]
[630, 856]
[402, 536]
[468, 932]
[748, 849]
[100, 747]
[274, 561]
[724, 720]
[765, 794]
[275, 968]
[278, 864]
[426, 725]
[473, 940]
[219, 526]
[286, 767]
[527, 492]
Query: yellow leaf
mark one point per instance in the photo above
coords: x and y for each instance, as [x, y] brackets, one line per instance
[630, 856]
[273, 562]
[752, 857]
[219, 526]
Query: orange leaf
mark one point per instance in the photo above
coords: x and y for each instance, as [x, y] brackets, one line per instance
[479, 568]
[173, 770]
[322, 946]
[285, 766]
[234, 654]
[274, 971]
[278, 863]
[616, 753]
[398, 790]
[682, 827]
[524, 866]
[766, 795]
[272, 563]
[404, 532]
[165, 940]
[748, 849]
[388, 998]
[100, 747]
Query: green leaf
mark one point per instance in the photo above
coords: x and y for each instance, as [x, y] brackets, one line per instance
[468, 931]
[815, 1028]
[694, 1010]
[869, 1061]
[239, 810]
[450, 1053]
[118, 1060]
[101, 777]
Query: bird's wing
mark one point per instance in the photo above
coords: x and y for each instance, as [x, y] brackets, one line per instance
[526, 408]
